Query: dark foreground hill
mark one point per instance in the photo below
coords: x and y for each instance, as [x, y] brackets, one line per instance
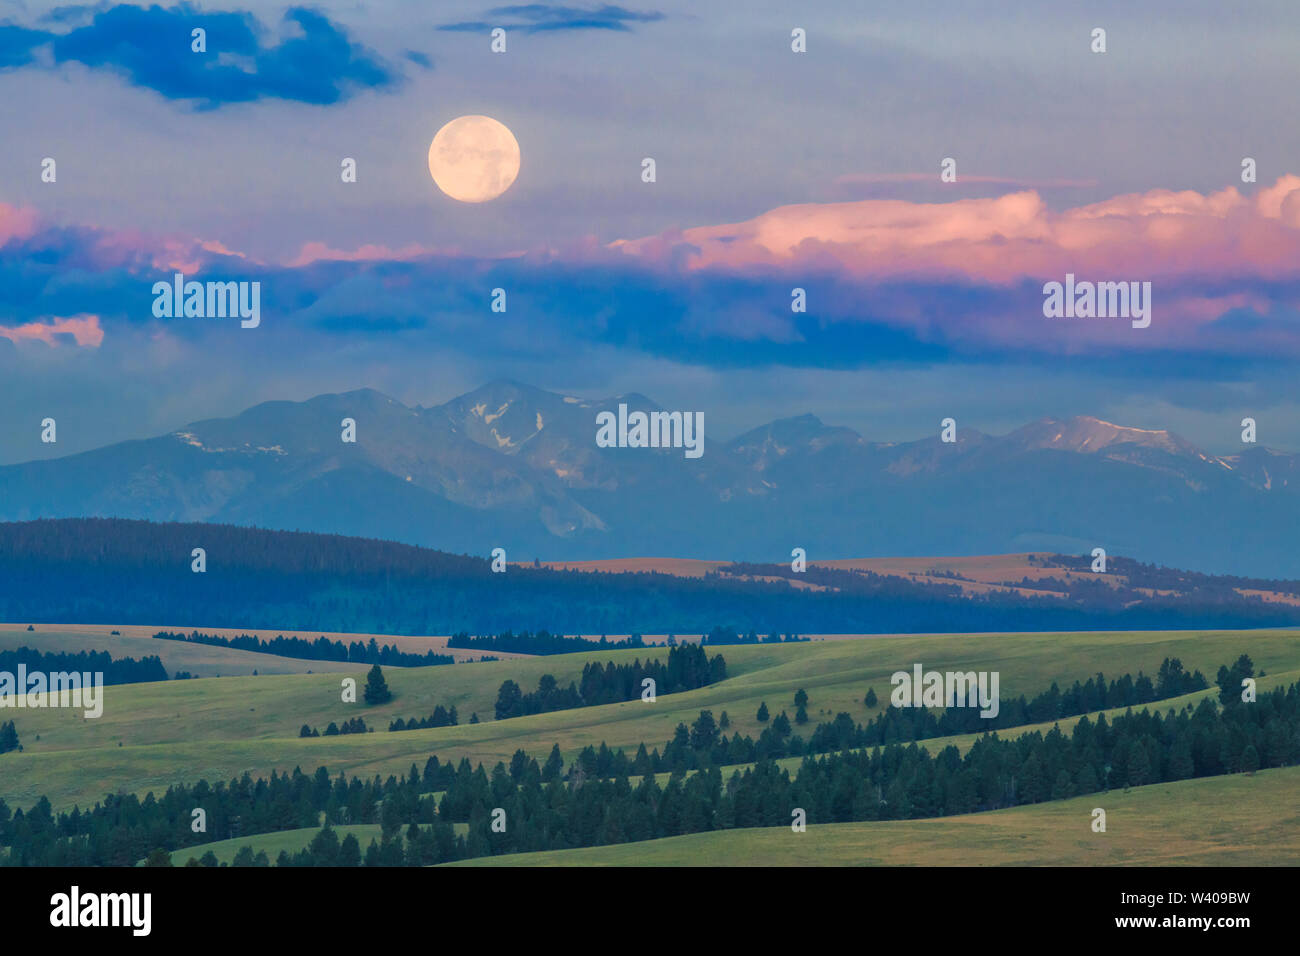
[139, 572]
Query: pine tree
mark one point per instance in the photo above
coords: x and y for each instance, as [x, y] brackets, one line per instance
[350, 851]
[158, 857]
[1249, 759]
[1032, 784]
[781, 724]
[324, 847]
[1139, 765]
[704, 732]
[1181, 765]
[1229, 680]
[8, 738]
[1063, 789]
[801, 698]
[377, 691]
[870, 700]
[762, 713]
[554, 764]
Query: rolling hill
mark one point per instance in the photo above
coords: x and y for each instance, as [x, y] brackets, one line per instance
[1236, 820]
[153, 735]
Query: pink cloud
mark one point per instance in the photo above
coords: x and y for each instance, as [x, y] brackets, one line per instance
[1003, 240]
[83, 328]
[183, 255]
[16, 223]
[322, 252]
[125, 248]
[121, 248]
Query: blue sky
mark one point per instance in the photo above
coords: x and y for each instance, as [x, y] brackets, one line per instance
[159, 150]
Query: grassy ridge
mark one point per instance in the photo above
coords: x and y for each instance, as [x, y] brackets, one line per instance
[202, 660]
[289, 840]
[218, 728]
[963, 742]
[1237, 820]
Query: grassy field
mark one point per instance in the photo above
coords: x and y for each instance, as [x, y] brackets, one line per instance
[289, 840]
[1239, 820]
[199, 659]
[153, 735]
[963, 742]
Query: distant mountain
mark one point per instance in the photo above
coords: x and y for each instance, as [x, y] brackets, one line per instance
[1092, 436]
[513, 466]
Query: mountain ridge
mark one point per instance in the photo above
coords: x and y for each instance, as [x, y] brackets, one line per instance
[515, 466]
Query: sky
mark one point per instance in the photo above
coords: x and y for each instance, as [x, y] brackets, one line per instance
[775, 170]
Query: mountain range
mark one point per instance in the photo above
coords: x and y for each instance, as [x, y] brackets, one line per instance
[517, 467]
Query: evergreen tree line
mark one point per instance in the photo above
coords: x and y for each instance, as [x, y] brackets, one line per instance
[1155, 577]
[891, 783]
[124, 829]
[729, 635]
[121, 670]
[356, 725]
[321, 649]
[688, 667]
[540, 643]
[441, 717]
[703, 744]
[918, 723]
[423, 846]
[547, 810]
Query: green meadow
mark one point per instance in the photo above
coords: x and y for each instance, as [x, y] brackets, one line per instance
[202, 660]
[290, 841]
[1238, 820]
[154, 735]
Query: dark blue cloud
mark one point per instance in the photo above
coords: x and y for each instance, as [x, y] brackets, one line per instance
[546, 17]
[151, 48]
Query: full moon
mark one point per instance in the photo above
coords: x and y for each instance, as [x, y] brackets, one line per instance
[474, 158]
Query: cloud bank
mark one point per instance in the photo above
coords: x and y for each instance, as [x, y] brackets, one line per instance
[885, 281]
[152, 48]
